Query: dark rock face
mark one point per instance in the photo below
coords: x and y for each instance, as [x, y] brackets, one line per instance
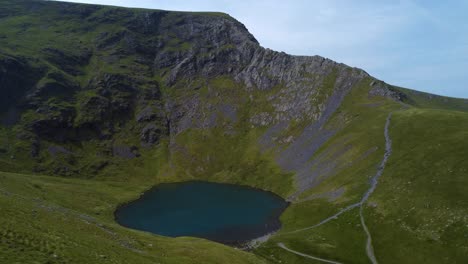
[140, 76]
[382, 89]
[96, 108]
[146, 114]
[126, 152]
[67, 62]
[17, 76]
[222, 46]
[57, 150]
[150, 134]
[217, 46]
[52, 122]
[54, 84]
[35, 148]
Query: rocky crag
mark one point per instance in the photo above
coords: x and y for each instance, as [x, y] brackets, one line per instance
[129, 98]
[100, 72]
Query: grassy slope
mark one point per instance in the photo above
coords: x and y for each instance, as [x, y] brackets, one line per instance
[426, 100]
[418, 212]
[27, 233]
[39, 227]
[363, 131]
[228, 151]
[26, 34]
[29, 34]
[420, 206]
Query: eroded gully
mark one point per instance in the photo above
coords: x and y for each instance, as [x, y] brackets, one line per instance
[360, 204]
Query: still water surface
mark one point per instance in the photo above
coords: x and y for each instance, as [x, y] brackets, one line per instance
[230, 214]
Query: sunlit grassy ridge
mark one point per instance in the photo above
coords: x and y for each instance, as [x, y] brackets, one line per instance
[416, 214]
[422, 199]
[54, 220]
[418, 211]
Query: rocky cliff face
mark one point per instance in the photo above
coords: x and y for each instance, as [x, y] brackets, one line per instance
[131, 98]
[115, 81]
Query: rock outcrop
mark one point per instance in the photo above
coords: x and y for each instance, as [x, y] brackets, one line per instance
[136, 77]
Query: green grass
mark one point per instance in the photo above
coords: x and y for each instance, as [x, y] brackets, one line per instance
[422, 199]
[426, 100]
[340, 240]
[355, 150]
[217, 156]
[417, 213]
[228, 152]
[213, 155]
[87, 233]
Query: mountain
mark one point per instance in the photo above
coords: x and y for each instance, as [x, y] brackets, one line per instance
[100, 103]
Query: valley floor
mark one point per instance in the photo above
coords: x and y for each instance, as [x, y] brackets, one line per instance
[412, 214]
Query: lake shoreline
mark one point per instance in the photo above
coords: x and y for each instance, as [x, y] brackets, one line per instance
[223, 234]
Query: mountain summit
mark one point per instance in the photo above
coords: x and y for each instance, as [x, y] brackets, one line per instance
[109, 101]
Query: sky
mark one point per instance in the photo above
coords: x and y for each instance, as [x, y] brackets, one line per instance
[417, 44]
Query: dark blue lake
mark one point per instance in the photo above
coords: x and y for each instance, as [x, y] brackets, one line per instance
[225, 213]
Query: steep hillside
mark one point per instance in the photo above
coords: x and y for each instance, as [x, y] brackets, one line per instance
[117, 100]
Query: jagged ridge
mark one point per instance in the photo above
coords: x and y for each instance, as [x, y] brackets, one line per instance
[137, 97]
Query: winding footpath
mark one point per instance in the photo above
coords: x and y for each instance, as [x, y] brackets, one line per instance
[281, 245]
[374, 182]
[328, 219]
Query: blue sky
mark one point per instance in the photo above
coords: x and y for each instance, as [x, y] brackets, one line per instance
[416, 44]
